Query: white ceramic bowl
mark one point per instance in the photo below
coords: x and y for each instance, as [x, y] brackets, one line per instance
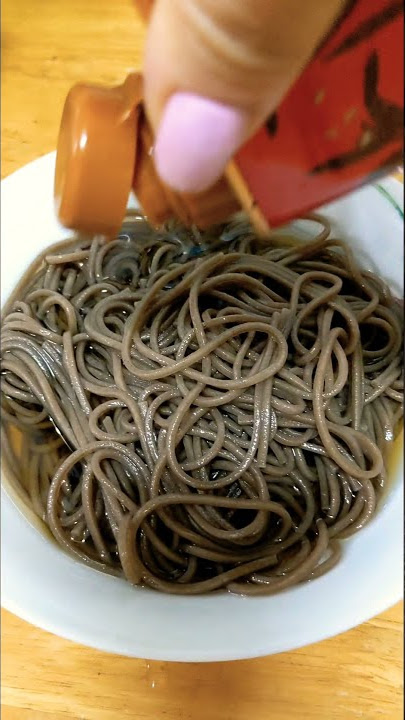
[46, 587]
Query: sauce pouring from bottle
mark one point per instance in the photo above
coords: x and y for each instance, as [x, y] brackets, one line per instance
[340, 126]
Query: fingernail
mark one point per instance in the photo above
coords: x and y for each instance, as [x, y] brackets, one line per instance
[196, 139]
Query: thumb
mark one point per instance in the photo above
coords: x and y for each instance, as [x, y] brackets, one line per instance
[215, 70]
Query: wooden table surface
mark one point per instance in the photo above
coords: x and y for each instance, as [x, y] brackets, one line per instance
[48, 45]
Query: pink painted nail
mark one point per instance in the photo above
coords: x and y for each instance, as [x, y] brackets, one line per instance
[196, 139]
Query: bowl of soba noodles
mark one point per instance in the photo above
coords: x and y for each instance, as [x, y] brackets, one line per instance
[201, 431]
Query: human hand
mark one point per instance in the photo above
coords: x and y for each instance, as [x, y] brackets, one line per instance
[214, 72]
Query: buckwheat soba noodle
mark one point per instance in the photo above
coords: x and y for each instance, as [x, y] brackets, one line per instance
[198, 412]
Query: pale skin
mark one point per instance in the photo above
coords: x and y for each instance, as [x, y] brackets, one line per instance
[216, 69]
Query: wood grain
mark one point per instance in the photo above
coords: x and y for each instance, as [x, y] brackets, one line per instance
[46, 47]
[356, 675]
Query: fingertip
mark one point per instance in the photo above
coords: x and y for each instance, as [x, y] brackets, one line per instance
[196, 139]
